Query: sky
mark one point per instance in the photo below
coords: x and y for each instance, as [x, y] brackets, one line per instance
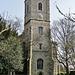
[13, 7]
[64, 5]
[16, 8]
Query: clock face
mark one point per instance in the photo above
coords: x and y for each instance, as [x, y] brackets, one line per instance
[40, 17]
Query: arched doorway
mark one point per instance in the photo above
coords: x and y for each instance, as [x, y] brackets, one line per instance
[40, 73]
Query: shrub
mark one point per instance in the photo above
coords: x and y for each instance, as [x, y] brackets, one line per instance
[61, 73]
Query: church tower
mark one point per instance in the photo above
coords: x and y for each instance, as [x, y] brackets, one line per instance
[38, 50]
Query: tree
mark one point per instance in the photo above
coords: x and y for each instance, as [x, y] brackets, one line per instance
[15, 23]
[63, 32]
[10, 49]
[2, 25]
[11, 54]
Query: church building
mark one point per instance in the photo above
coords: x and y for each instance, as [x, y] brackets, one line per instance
[36, 38]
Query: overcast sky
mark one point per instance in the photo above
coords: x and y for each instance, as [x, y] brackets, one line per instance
[16, 8]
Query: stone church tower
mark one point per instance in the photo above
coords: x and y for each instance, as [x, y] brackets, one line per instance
[36, 38]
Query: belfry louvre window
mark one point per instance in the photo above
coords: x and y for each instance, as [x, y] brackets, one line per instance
[40, 30]
[39, 64]
[39, 6]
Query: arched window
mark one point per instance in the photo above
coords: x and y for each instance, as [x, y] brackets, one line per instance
[39, 6]
[39, 64]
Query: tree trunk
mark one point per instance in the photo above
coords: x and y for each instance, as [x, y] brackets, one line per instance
[67, 71]
[10, 73]
[67, 68]
[13, 73]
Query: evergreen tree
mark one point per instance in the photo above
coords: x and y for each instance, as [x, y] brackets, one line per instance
[11, 54]
[10, 49]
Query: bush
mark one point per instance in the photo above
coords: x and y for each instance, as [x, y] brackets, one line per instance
[61, 73]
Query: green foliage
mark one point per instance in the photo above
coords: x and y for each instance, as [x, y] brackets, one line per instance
[10, 49]
[7, 33]
[3, 27]
[61, 73]
[11, 54]
[2, 24]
